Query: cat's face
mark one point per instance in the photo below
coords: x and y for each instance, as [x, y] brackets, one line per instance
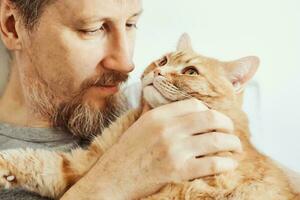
[185, 74]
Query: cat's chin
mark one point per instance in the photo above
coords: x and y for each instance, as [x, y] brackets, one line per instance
[153, 97]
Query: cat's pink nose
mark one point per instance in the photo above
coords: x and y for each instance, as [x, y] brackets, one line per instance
[157, 72]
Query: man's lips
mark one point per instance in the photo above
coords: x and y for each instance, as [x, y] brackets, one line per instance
[110, 88]
[107, 89]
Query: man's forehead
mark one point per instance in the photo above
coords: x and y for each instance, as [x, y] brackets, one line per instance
[99, 8]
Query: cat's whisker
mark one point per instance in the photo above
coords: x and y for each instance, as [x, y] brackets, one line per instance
[169, 90]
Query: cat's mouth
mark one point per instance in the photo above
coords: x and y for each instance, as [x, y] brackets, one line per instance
[168, 89]
[154, 97]
[160, 91]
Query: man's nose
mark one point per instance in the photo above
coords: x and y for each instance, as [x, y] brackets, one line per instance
[118, 56]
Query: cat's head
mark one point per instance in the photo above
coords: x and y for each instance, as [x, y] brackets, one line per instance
[184, 74]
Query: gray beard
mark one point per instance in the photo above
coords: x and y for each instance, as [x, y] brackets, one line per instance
[74, 115]
[86, 122]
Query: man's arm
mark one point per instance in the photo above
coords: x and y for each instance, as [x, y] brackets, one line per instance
[151, 153]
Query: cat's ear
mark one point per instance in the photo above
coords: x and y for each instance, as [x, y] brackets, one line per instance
[241, 71]
[184, 43]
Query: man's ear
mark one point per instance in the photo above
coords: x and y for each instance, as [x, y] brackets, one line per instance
[241, 71]
[184, 43]
[8, 25]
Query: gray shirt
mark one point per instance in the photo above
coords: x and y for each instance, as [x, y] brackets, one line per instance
[21, 137]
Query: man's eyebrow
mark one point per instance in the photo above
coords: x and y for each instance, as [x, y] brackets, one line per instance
[90, 19]
[137, 14]
[97, 18]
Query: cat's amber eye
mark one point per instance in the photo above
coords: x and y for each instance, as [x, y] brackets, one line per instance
[191, 70]
[163, 61]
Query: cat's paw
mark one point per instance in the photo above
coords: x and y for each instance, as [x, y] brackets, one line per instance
[7, 179]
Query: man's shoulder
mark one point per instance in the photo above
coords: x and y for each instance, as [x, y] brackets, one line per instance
[12, 136]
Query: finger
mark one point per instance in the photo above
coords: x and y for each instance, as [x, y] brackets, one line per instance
[210, 143]
[205, 166]
[180, 108]
[204, 122]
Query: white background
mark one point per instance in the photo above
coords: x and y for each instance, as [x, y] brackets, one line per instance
[230, 29]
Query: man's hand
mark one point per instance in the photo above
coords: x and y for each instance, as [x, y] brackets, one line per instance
[162, 147]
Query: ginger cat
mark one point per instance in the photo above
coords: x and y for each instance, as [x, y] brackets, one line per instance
[177, 76]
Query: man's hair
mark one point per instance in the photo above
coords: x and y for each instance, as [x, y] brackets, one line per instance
[31, 10]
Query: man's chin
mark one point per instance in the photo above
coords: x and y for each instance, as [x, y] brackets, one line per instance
[89, 115]
[96, 97]
[95, 103]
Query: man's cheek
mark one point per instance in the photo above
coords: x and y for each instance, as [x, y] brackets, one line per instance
[85, 68]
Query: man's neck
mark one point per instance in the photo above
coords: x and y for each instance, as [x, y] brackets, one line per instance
[13, 107]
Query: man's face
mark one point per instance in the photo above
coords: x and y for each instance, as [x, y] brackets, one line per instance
[78, 55]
